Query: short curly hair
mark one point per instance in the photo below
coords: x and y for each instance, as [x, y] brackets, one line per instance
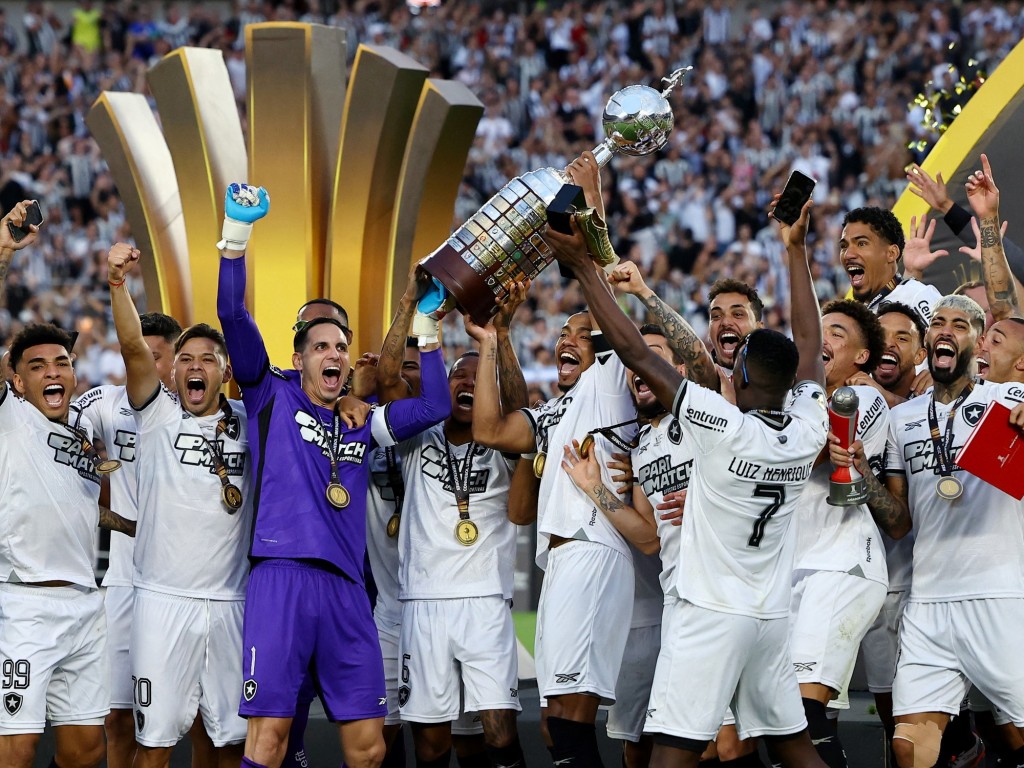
[732, 285]
[33, 335]
[869, 325]
[882, 221]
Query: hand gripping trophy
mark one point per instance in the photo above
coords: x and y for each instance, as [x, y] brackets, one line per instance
[501, 243]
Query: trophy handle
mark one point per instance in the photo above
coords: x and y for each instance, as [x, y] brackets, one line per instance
[603, 152]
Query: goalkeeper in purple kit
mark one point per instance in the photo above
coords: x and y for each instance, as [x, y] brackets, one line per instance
[307, 612]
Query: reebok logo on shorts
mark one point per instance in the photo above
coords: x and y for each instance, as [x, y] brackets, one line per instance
[650, 712]
[382, 701]
[249, 689]
[567, 677]
[12, 703]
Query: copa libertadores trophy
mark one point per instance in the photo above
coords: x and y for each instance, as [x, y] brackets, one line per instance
[501, 243]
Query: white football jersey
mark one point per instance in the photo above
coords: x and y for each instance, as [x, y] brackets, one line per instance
[970, 547]
[433, 564]
[845, 539]
[113, 420]
[662, 463]
[381, 548]
[736, 547]
[599, 398]
[187, 543]
[913, 293]
[50, 493]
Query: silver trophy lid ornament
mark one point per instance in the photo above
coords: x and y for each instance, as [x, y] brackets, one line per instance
[638, 119]
[502, 243]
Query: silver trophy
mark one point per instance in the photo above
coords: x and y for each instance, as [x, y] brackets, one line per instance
[846, 485]
[501, 243]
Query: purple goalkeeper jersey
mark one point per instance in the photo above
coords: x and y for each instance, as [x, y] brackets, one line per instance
[290, 440]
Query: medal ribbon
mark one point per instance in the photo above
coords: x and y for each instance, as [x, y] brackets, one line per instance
[943, 444]
[460, 478]
[214, 446]
[614, 439]
[395, 479]
[87, 447]
[888, 288]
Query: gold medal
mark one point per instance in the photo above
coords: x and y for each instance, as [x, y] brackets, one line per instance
[538, 464]
[108, 466]
[466, 532]
[393, 525]
[586, 445]
[337, 495]
[949, 488]
[231, 496]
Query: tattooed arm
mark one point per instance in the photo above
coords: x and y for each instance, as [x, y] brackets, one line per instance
[887, 502]
[638, 528]
[390, 384]
[1000, 289]
[680, 336]
[111, 521]
[511, 383]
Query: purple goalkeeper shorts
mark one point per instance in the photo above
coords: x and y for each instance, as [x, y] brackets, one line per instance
[302, 621]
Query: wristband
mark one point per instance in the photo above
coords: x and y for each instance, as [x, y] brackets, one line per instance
[116, 285]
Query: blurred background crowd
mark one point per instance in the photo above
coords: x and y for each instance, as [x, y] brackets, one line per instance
[822, 87]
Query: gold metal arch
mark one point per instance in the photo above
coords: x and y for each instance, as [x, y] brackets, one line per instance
[363, 173]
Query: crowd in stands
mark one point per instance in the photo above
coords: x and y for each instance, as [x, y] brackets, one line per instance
[822, 87]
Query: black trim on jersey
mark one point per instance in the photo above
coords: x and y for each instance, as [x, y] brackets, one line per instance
[599, 343]
[3, 392]
[770, 420]
[263, 424]
[152, 398]
[385, 414]
[889, 471]
[679, 397]
[529, 417]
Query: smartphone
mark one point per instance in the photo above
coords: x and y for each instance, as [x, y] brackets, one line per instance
[33, 216]
[796, 194]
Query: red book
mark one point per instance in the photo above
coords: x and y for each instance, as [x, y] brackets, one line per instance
[995, 451]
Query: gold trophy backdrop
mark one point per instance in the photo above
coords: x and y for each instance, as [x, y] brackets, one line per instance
[363, 172]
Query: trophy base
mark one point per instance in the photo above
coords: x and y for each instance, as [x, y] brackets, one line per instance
[847, 494]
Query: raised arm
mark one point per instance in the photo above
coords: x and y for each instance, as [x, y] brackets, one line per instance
[413, 415]
[390, 384]
[143, 380]
[242, 206]
[681, 337]
[8, 245]
[1000, 290]
[510, 432]
[805, 314]
[622, 335]
[510, 374]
